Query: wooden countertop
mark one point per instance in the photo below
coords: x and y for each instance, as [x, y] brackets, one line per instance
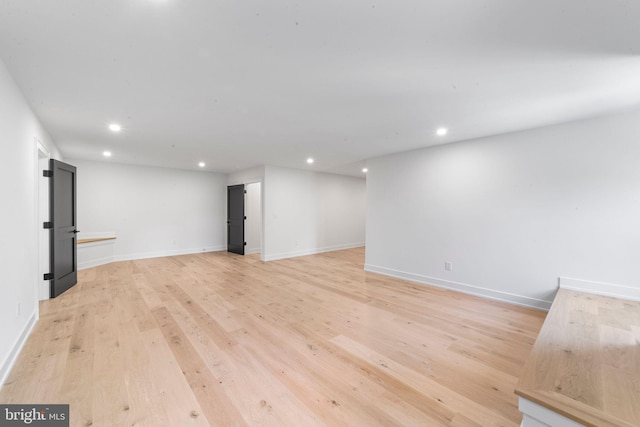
[585, 363]
[95, 239]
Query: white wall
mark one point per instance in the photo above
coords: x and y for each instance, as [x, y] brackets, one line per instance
[152, 211]
[309, 212]
[253, 212]
[19, 129]
[246, 176]
[513, 213]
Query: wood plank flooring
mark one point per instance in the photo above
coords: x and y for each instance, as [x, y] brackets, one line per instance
[217, 339]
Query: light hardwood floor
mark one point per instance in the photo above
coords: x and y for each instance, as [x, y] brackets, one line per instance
[216, 339]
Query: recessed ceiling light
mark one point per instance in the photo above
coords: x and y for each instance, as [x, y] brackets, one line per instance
[442, 131]
[201, 164]
[310, 160]
[365, 170]
[106, 153]
[115, 127]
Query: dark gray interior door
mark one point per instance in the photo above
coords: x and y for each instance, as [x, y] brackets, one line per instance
[62, 199]
[235, 219]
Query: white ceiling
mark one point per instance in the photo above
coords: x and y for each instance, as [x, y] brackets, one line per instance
[238, 83]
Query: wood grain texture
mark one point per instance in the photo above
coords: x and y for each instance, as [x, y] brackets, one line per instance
[94, 239]
[217, 339]
[585, 364]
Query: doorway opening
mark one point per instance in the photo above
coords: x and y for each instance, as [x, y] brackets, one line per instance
[235, 219]
[245, 230]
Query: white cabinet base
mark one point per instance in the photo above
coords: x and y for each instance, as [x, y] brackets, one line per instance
[535, 415]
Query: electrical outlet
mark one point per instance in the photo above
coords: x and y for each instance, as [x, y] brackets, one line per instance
[448, 265]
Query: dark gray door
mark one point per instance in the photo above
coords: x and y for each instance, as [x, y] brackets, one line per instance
[235, 219]
[62, 199]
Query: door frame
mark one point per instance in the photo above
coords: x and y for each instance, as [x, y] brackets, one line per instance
[256, 180]
[246, 197]
[42, 157]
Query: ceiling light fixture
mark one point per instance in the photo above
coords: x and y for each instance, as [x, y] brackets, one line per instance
[115, 127]
[310, 160]
[106, 153]
[442, 131]
[201, 164]
[365, 170]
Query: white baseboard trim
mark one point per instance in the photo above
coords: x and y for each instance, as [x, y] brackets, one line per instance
[600, 288]
[8, 363]
[462, 287]
[313, 251]
[145, 255]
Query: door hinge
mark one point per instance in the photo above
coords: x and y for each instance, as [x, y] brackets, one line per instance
[245, 243]
[47, 173]
[47, 225]
[48, 276]
[245, 217]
